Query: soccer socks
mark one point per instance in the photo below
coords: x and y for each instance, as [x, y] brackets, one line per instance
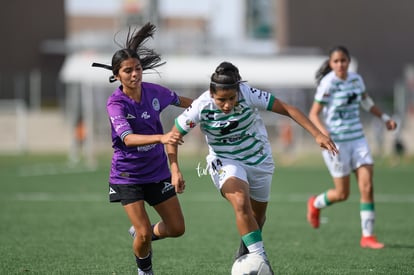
[254, 242]
[154, 237]
[145, 264]
[322, 201]
[367, 213]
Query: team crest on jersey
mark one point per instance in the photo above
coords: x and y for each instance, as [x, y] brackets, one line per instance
[191, 124]
[156, 104]
[238, 109]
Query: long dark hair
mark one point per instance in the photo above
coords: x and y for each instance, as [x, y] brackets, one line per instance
[324, 69]
[134, 48]
[226, 77]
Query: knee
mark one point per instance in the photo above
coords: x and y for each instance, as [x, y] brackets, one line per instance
[177, 230]
[143, 236]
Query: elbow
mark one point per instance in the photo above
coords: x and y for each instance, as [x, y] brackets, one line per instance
[128, 141]
[127, 144]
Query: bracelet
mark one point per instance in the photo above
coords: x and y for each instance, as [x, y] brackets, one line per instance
[385, 117]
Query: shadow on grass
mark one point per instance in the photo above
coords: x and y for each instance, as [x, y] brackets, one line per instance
[409, 246]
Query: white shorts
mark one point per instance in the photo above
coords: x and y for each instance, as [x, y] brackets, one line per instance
[259, 177]
[352, 155]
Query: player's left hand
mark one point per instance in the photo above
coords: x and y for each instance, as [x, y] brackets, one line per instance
[391, 124]
[178, 181]
[326, 143]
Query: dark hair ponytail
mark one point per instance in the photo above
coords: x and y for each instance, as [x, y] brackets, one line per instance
[134, 48]
[324, 69]
[226, 77]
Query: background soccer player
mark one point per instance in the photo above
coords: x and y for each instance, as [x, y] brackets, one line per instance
[339, 95]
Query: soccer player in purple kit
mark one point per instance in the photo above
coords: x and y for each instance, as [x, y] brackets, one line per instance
[139, 171]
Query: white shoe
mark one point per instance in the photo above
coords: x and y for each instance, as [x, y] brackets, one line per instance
[149, 272]
[131, 231]
[264, 255]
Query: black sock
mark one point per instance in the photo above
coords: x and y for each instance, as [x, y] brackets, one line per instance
[144, 264]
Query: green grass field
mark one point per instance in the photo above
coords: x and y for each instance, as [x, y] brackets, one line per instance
[56, 219]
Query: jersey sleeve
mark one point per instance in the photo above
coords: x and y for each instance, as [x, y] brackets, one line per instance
[257, 98]
[118, 119]
[322, 93]
[168, 97]
[363, 88]
[189, 118]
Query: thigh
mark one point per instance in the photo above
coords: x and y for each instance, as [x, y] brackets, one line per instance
[222, 169]
[138, 215]
[170, 211]
[236, 191]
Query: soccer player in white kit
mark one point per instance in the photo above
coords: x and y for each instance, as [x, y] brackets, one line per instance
[240, 158]
[339, 95]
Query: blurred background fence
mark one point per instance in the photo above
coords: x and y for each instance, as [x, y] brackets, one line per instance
[51, 100]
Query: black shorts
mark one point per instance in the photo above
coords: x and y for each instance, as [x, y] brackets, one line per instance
[153, 193]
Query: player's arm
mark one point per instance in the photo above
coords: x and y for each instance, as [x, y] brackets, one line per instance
[131, 139]
[369, 105]
[185, 102]
[294, 113]
[314, 116]
[172, 151]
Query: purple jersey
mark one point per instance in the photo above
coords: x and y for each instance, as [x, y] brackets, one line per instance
[141, 164]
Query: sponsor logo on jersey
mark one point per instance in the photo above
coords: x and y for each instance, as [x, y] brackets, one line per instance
[190, 123]
[129, 116]
[146, 148]
[145, 115]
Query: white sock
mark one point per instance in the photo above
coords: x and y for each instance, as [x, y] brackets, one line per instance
[256, 248]
[367, 222]
[321, 201]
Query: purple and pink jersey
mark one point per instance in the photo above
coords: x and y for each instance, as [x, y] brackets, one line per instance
[141, 164]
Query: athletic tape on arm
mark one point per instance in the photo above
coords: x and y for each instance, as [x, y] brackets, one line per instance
[367, 103]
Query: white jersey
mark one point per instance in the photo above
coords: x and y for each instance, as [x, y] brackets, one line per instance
[341, 100]
[239, 135]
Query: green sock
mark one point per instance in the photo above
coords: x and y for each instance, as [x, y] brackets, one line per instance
[254, 242]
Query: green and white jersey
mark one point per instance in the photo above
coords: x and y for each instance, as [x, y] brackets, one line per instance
[341, 100]
[239, 135]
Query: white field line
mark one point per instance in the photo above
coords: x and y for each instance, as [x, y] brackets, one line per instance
[52, 169]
